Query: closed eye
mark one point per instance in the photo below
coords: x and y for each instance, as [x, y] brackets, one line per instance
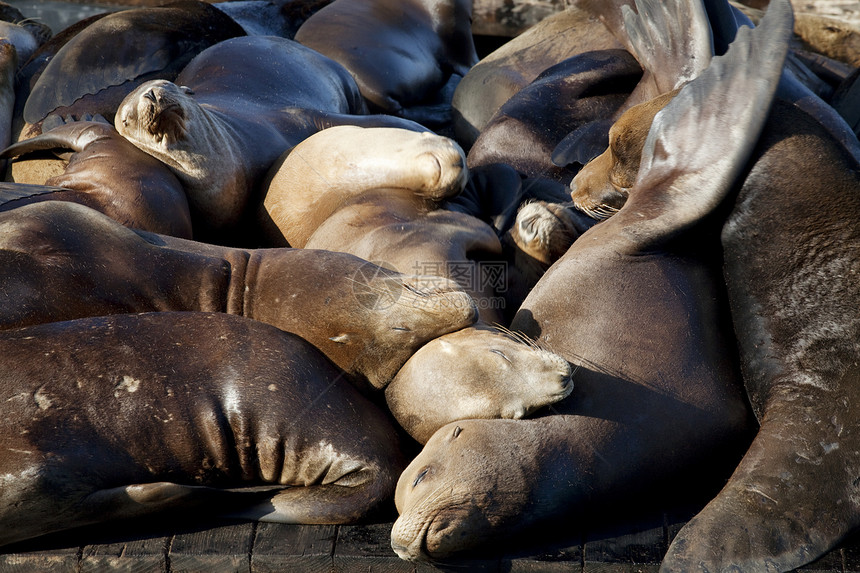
[500, 353]
[420, 477]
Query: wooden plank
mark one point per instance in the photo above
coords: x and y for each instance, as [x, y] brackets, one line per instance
[49, 560]
[563, 560]
[221, 549]
[140, 556]
[296, 548]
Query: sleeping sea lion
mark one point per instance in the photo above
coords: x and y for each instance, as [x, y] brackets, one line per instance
[636, 306]
[477, 372]
[130, 415]
[400, 52]
[231, 113]
[62, 261]
[106, 172]
[380, 208]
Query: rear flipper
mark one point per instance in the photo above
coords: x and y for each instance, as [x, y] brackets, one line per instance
[760, 521]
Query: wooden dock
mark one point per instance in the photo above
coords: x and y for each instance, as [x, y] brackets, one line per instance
[175, 545]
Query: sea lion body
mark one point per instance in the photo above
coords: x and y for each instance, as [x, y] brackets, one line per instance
[377, 198]
[790, 266]
[109, 174]
[637, 306]
[501, 74]
[582, 90]
[348, 161]
[63, 261]
[400, 52]
[129, 415]
[241, 104]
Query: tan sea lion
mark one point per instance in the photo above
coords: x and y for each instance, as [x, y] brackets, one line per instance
[400, 52]
[106, 172]
[131, 415]
[62, 260]
[477, 372]
[231, 113]
[335, 165]
[636, 306]
[387, 214]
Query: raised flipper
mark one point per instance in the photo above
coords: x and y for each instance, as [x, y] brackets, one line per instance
[672, 40]
[684, 175]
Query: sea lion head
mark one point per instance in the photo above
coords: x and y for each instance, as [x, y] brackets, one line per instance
[476, 372]
[164, 120]
[470, 482]
[602, 186]
[157, 114]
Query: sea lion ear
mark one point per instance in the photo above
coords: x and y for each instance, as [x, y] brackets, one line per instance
[699, 143]
[186, 90]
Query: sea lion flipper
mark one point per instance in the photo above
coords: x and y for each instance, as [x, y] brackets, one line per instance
[73, 136]
[11, 192]
[672, 40]
[684, 175]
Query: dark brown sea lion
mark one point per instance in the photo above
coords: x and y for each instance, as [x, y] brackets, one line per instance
[477, 372]
[232, 112]
[505, 71]
[133, 46]
[400, 52]
[791, 269]
[582, 90]
[106, 172]
[62, 260]
[376, 206]
[130, 415]
[636, 306]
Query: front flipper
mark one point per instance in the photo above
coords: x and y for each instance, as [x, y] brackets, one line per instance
[138, 500]
[701, 141]
[13, 194]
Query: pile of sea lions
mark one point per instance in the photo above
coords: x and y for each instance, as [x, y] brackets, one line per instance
[307, 261]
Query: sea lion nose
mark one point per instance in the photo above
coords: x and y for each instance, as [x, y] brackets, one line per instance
[150, 95]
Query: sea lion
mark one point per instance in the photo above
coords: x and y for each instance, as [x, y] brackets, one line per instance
[106, 172]
[400, 52]
[388, 214]
[232, 112]
[636, 306]
[514, 65]
[477, 372]
[525, 131]
[310, 182]
[130, 415]
[133, 46]
[790, 268]
[62, 260]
